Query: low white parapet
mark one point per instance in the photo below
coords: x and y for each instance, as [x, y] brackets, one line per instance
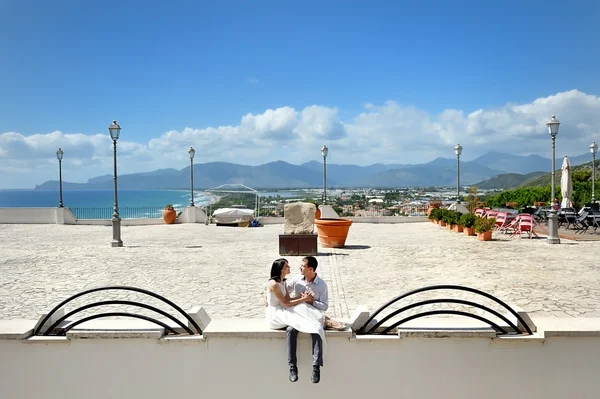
[239, 358]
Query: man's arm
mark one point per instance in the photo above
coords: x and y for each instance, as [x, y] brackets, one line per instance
[321, 300]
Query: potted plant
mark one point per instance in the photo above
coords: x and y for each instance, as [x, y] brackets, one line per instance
[169, 214]
[435, 215]
[443, 216]
[483, 227]
[458, 227]
[451, 219]
[468, 221]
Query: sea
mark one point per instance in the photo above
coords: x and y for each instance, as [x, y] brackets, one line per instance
[97, 204]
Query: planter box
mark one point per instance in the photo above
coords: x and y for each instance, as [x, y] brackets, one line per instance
[443, 224]
[297, 244]
[487, 236]
[468, 231]
[458, 228]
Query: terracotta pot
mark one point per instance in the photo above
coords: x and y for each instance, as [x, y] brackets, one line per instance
[468, 231]
[450, 226]
[318, 213]
[333, 232]
[170, 216]
[442, 223]
[431, 207]
[458, 228]
[487, 236]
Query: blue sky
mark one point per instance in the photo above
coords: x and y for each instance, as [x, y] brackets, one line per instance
[345, 73]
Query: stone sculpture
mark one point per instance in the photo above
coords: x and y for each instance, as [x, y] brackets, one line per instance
[299, 218]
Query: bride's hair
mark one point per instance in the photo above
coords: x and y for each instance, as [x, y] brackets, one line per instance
[277, 268]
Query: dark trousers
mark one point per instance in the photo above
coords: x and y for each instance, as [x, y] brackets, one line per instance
[292, 343]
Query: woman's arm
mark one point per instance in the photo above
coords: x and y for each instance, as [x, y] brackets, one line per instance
[284, 300]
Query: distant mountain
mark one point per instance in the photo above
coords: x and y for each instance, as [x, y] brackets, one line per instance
[439, 172]
[509, 163]
[507, 180]
[349, 175]
[280, 174]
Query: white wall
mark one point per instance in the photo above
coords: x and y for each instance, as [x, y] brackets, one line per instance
[232, 363]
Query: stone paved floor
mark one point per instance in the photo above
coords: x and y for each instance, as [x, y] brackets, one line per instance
[225, 269]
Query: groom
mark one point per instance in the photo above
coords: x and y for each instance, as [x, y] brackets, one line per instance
[307, 282]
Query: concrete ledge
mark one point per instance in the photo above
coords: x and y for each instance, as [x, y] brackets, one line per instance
[47, 340]
[184, 339]
[253, 328]
[575, 327]
[16, 329]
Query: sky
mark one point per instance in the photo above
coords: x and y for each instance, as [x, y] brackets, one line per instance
[257, 81]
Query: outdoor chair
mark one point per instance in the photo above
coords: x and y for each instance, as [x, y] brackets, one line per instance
[524, 223]
[593, 220]
[540, 215]
[581, 223]
[568, 216]
[491, 214]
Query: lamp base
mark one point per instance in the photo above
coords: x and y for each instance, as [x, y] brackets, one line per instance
[116, 228]
[553, 228]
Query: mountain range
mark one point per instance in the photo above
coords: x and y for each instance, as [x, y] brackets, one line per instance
[280, 174]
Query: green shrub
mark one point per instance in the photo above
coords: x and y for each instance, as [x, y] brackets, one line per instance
[482, 225]
[435, 214]
[467, 220]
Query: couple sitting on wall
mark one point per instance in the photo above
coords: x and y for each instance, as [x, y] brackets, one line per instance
[298, 304]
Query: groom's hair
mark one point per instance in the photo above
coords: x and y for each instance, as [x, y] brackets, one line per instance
[311, 262]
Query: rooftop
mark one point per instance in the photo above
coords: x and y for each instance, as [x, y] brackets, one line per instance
[225, 269]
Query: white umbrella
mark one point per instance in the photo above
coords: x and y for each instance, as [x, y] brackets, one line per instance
[458, 208]
[566, 186]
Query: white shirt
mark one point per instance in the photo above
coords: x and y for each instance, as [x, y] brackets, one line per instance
[298, 284]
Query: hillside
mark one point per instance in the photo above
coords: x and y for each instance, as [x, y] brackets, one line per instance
[508, 180]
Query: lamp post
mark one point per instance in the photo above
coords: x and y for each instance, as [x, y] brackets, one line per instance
[59, 155]
[115, 130]
[324, 152]
[191, 153]
[553, 125]
[593, 150]
[458, 151]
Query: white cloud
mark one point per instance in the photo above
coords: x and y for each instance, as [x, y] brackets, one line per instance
[388, 133]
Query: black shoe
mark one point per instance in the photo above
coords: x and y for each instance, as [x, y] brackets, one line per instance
[316, 375]
[293, 373]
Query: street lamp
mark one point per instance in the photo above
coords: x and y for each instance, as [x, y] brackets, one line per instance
[191, 153]
[59, 155]
[593, 150]
[115, 130]
[458, 151]
[553, 125]
[324, 152]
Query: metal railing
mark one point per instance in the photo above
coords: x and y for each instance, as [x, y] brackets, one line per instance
[57, 328]
[373, 326]
[141, 212]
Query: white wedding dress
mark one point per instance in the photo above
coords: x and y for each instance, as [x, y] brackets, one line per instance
[303, 317]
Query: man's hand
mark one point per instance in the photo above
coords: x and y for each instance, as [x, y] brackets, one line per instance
[308, 297]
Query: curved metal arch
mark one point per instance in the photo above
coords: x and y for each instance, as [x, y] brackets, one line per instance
[431, 301]
[117, 287]
[118, 302]
[456, 312]
[451, 287]
[122, 314]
